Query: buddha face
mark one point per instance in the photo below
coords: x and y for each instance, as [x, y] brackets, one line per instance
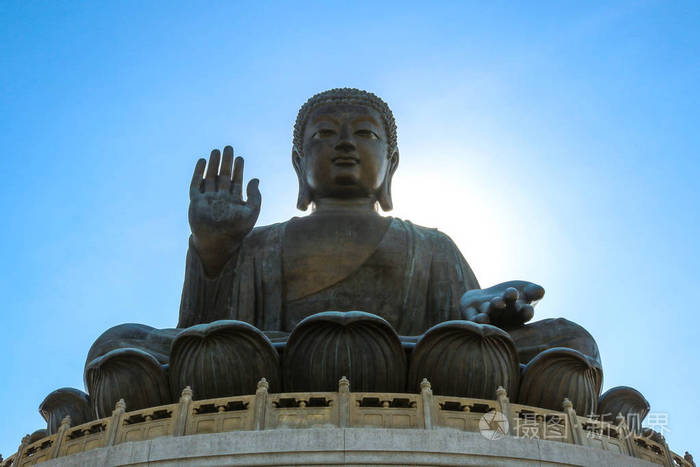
[345, 153]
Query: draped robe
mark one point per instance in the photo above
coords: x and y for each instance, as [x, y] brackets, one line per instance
[414, 278]
[411, 276]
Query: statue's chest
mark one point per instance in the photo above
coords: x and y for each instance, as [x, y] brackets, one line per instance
[320, 252]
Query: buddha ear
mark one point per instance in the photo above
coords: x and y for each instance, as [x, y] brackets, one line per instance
[384, 195]
[304, 197]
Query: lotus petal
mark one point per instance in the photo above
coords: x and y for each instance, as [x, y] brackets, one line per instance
[465, 359]
[626, 401]
[62, 402]
[130, 374]
[327, 346]
[559, 373]
[222, 358]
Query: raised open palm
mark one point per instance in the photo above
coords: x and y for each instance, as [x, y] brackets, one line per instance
[217, 211]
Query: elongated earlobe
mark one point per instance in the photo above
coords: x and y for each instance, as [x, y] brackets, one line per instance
[384, 195]
[304, 196]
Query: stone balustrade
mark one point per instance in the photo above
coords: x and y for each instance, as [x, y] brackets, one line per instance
[341, 409]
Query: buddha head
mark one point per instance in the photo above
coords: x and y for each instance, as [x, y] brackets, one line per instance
[345, 148]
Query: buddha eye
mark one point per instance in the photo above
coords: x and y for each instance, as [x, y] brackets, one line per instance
[323, 133]
[366, 134]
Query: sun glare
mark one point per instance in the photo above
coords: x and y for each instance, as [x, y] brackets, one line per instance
[466, 212]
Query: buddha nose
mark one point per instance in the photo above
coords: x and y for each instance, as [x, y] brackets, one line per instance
[345, 142]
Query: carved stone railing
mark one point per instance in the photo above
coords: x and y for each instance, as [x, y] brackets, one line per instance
[266, 411]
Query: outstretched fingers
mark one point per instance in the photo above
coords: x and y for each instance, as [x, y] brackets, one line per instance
[494, 308]
[498, 303]
[197, 178]
[212, 171]
[511, 295]
[472, 313]
[225, 172]
[485, 307]
[237, 187]
[526, 312]
[482, 318]
[253, 193]
[533, 292]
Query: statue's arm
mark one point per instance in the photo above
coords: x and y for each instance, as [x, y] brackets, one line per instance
[205, 298]
[218, 216]
[219, 220]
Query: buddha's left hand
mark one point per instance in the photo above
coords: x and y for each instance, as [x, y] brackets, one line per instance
[508, 305]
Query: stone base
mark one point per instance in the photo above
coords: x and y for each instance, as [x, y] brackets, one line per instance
[344, 446]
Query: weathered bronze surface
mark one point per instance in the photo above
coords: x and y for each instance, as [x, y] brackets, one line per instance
[560, 373]
[327, 346]
[62, 402]
[625, 401]
[259, 284]
[344, 255]
[222, 358]
[131, 374]
[465, 359]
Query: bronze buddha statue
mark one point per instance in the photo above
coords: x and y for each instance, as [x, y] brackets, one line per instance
[344, 255]
[341, 291]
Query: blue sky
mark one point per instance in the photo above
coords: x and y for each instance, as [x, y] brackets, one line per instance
[555, 142]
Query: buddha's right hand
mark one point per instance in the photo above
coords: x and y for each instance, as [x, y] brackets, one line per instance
[219, 218]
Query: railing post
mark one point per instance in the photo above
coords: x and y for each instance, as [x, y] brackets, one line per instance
[183, 411]
[20, 451]
[60, 436]
[260, 405]
[344, 402]
[115, 422]
[576, 429]
[506, 410]
[426, 393]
